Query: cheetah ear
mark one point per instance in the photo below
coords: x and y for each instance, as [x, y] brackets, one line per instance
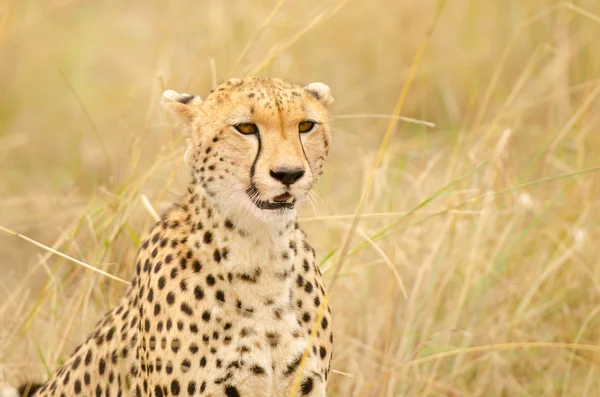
[321, 92]
[183, 107]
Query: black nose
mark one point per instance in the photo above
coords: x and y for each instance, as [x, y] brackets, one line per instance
[287, 176]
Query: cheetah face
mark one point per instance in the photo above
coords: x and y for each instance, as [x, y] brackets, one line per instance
[256, 145]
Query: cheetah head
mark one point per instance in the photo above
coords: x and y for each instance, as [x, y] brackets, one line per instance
[255, 145]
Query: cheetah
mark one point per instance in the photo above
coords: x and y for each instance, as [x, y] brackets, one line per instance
[226, 299]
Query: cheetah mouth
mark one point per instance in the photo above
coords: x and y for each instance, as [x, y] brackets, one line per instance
[284, 201]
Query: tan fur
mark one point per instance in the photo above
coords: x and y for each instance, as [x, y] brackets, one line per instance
[225, 293]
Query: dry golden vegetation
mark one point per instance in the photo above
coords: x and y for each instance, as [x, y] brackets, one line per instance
[475, 267]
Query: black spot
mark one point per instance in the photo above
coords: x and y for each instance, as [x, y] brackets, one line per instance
[101, 366]
[228, 224]
[158, 391]
[217, 255]
[88, 358]
[308, 287]
[150, 298]
[77, 387]
[220, 295]
[322, 352]
[161, 282]
[198, 293]
[210, 280]
[231, 391]
[175, 387]
[306, 386]
[186, 365]
[324, 323]
[186, 309]
[183, 284]
[191, 388]
[208, 237]
[168, 259]
[76, 362]
[257, 370]
[291, 368]
[203, 362]
[206, 316]
[197, 266]
[170, 298]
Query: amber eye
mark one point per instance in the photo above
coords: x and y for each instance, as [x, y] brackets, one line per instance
[305, 126]
[247, 128]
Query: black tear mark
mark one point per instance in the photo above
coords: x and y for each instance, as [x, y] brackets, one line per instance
[253, 167]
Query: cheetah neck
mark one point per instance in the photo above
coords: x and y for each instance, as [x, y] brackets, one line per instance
[256, 266]
[244, 245]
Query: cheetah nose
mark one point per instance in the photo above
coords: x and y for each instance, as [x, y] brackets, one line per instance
[287, 176]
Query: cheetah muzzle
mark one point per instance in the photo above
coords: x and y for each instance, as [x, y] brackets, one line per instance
[283, 201]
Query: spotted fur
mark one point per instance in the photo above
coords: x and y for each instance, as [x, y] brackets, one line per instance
[225, 294]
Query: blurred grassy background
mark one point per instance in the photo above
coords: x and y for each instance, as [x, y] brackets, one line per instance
[490, 220]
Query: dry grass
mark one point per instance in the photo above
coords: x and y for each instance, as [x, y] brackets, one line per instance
[489, 221]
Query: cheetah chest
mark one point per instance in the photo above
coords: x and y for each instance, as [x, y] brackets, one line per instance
[232, 321]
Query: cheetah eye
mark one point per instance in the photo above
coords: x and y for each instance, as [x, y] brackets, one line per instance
[305, 126]
[247, 128]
